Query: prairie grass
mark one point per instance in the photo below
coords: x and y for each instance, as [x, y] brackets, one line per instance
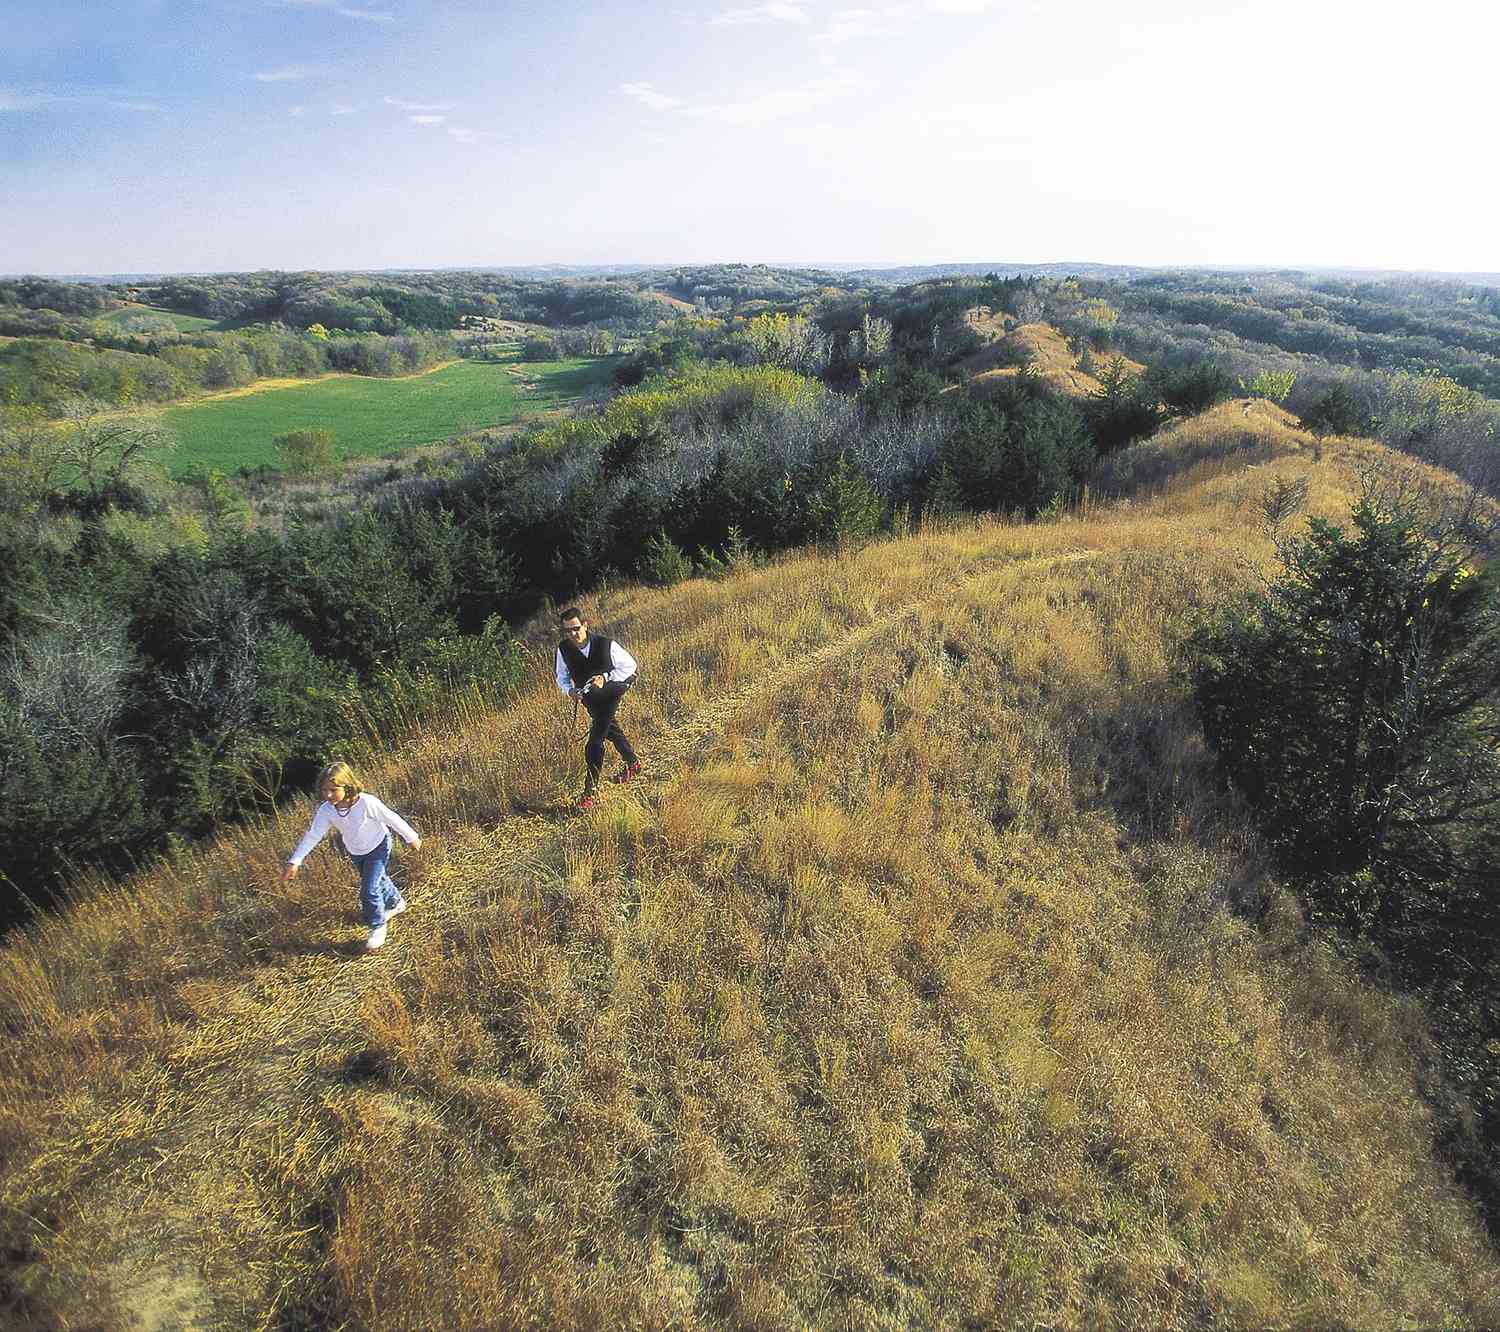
[905, 992]
[1045, 349]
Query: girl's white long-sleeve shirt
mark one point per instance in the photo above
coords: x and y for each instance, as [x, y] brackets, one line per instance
[363, 828]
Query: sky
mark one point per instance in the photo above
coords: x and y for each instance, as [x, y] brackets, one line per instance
[145, 136]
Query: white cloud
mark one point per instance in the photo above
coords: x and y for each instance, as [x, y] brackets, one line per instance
[419, 107]
[12, 100]
[341, 9]
[848, 24]
[783, 103]
[288, 74]
[760, 14]
[19, 101]
[462, 134]
[647, 95]
[427, 120]
[342, 109]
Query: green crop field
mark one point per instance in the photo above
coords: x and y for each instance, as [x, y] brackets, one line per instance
[373, 417]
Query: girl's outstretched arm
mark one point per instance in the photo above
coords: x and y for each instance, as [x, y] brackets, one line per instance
[315, 833]
[394, 821]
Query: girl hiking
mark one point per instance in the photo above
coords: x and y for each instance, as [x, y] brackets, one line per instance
[365, 825]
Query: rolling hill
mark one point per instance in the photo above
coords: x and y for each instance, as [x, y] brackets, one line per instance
[909, 990]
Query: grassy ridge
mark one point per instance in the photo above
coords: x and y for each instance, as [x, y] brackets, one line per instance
[132, 315]
[370, 416]
[903, 993]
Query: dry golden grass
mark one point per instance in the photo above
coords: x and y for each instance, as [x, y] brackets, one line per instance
[262, 385]
[905, 992]
[1042, 347]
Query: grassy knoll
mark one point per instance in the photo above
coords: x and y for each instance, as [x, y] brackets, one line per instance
[136, 317]
[370, 416]
[903, 992]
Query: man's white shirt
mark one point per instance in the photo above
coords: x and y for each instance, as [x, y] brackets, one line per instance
[621, 667]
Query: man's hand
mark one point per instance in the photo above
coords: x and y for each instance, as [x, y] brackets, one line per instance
[289, 873]
[597, 682]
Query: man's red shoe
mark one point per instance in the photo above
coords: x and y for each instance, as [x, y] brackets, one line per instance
[627, 772]
[586, 803]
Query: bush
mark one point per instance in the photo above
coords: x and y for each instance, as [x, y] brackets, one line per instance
[539, 349]
[1122, 409]
[1350, 702]
[1272, 385]
[1354, 704]
[843, 508]
[1335, 412]
[997, 461]
[306, 452]
[663, 563]
[899, 390]
[1187, 390]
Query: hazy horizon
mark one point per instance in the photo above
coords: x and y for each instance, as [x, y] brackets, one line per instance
[158, 136]
[831, 266]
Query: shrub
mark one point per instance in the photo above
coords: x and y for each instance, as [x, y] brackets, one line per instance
[306, 452]
[663, 563]
[844, 508]
[1122, 408]
[1189, 389]
[1335, 412]
[1354, 704]
[1351, 701]
[539, 349]
[899, 389]
[1024, 458]
[1272, 385]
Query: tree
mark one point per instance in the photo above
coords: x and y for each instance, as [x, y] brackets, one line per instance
[539, 347]
[793, 342]
[31, 458]
[1354, 702]
[1334, 412]
[104, 452]
[1186, 390]
[1272, 385]
[844, 508]
[306, 452]
[67, 788]
[1122, 408]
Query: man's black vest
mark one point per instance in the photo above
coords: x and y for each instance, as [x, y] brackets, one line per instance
[584, 666]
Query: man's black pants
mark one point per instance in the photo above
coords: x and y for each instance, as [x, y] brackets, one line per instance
[602, 704]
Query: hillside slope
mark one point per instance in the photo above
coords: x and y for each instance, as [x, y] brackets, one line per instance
[905, 992]
[1040, 346]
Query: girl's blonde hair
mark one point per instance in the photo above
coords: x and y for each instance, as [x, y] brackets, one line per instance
[340, 774]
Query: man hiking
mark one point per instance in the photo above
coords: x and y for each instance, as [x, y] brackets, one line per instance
[598, 671]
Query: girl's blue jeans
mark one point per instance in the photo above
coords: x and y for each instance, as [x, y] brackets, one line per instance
[378, 896]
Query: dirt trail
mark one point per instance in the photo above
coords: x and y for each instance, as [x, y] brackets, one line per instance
[273, 1040]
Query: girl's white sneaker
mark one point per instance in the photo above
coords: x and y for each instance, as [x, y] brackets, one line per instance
[377, 937]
